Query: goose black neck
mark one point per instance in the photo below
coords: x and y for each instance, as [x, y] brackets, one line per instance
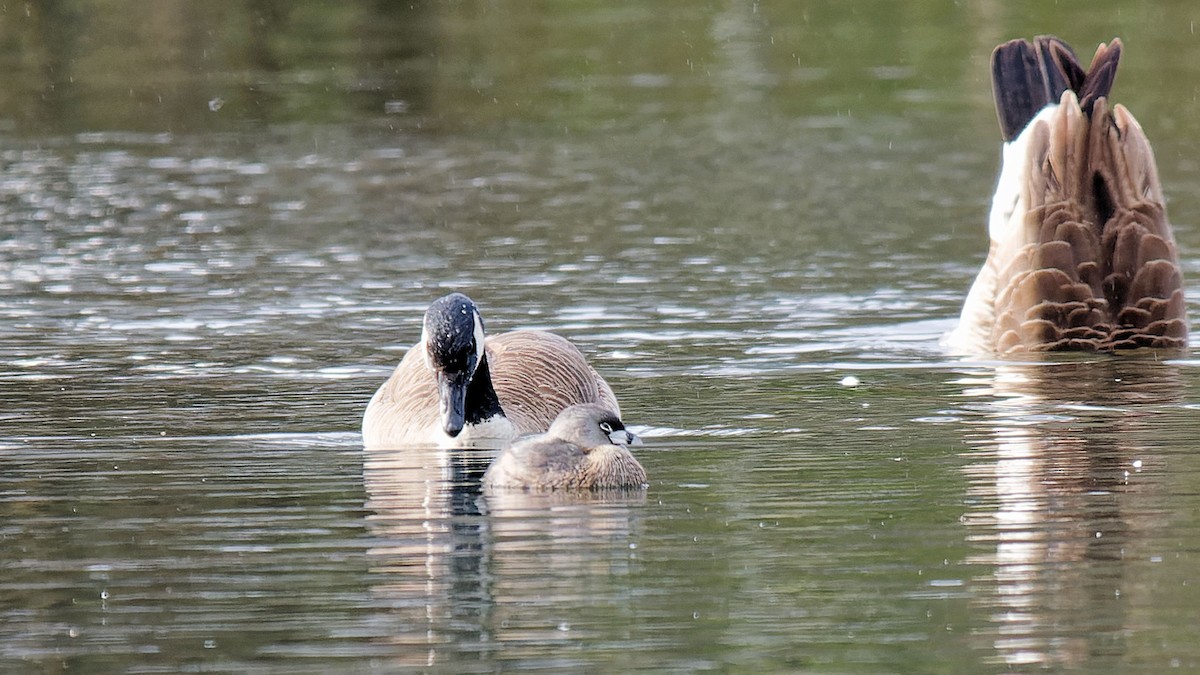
[482, 402]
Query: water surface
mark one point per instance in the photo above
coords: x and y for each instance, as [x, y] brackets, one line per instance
[223, 221]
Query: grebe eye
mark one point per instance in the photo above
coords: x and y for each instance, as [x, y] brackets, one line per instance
[606, 427]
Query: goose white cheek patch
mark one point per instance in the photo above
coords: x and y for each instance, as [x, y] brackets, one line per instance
[478, 338]
[425, 349]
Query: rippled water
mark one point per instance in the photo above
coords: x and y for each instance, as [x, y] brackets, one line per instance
[756, 219]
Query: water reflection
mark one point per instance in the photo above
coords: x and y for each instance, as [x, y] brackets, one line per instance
[1056, 486]
[429, 557]
[222, 219]
[468, 575]
[551, 556]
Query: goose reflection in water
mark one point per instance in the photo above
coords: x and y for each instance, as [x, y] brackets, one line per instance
[428, 550]
[1062, 485]
[461, 569]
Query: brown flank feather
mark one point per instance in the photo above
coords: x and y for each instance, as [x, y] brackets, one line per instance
[1094, 265]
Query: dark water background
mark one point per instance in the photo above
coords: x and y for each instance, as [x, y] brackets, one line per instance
[222, 221]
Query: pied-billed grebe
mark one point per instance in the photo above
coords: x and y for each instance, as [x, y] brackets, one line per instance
[585, 449]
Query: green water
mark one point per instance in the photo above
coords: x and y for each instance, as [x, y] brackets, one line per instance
[222, 222]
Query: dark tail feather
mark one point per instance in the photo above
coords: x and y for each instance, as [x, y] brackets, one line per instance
[1100, 76]
[1062, 67]
[1018, 86]
[1028, 76]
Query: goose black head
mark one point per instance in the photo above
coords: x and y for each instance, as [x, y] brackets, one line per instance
[453, 339]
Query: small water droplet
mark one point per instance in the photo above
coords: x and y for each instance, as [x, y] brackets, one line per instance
[695, 615]
[210, 644]
[849, 381]
[564, 626]
[103, 595]
[216, 104]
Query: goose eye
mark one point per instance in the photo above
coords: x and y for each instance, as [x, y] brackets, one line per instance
[606, 427]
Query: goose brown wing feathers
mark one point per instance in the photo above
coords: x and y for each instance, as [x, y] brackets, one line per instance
[1096, 267]
[537, 374]
[404, 409]
[1082, 256]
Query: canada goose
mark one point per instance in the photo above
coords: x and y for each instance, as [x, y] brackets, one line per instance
[456, 389]
[1082, 256]
[584, 449]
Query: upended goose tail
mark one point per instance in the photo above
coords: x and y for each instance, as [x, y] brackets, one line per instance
[1082, 256]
